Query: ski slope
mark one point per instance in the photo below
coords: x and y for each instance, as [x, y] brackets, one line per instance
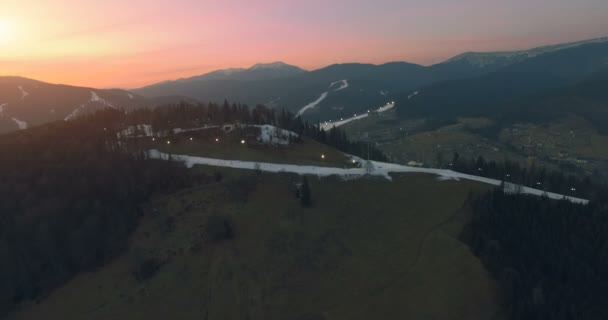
[367, 168]
[312, 104]
[343, 85]
[328, 124]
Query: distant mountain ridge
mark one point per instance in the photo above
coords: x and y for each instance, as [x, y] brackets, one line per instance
[26, 102]
[503, 58]
[369, 86]
[522, 88]
[260, 71]
[466, 82]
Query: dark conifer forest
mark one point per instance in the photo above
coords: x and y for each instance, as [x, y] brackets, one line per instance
[549, 257]
[69, 197]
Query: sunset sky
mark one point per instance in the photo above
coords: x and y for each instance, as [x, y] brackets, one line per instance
[113, 43]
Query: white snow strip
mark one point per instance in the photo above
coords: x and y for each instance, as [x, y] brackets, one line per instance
[328, 124]
[386, 107]
[312, 104]
[23, 92]
[370, 168]
[180, 130]
[2, 107]
[343, 85]
[96, 98]
[21, 124]
[412, 95]
[383, 93]
[74, 113]
[130, 96]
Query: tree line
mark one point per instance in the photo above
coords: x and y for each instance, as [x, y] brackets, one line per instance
[538, 177]
[185, 115]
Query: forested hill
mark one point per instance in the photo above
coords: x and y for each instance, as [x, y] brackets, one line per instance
[70, 192]
[549, 257]
[69, 197]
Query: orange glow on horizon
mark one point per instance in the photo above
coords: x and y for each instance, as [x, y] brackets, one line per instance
[114, 43]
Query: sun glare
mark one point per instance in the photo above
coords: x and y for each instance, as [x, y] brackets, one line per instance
[6, 31]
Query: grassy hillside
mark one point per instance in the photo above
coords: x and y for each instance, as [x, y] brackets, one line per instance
[367, 249]
[229, 146]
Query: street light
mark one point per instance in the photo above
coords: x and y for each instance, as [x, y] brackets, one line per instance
[190, 138]
[322, 156]
[168, 142]
[242, 141]
[217, 140]
[153, 139]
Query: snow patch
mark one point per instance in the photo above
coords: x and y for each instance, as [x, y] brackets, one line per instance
[3, 107]
[21, 124]
[383, 93]
[136, 131]
[23, 92]
[130, 96]
[275, 136]
[95, 98]
[412, 95]
[343, 85]
[312, 104]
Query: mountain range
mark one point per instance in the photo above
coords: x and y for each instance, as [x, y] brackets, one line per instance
[470, 83]
[343, 89]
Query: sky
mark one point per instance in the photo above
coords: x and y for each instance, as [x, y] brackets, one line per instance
[132, 43]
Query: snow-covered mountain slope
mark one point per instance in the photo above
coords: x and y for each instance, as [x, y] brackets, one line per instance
[25, 102]
[503, 58]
